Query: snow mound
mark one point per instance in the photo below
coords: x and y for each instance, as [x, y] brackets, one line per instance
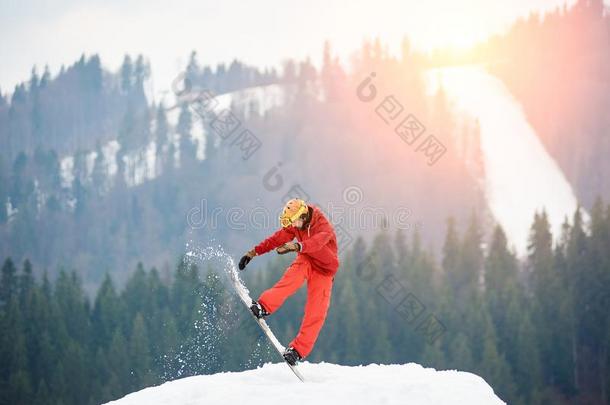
[326, 384]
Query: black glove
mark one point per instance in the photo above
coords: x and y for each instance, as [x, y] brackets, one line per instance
[245, 259]
[288, 247]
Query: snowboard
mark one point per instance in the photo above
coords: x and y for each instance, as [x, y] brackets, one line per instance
[244, 295]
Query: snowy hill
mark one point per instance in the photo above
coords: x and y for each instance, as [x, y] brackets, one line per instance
[514, 192]
[326, 384]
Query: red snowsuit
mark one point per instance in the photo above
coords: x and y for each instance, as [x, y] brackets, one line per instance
[317, 262]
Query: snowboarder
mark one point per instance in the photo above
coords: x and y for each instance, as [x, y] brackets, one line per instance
[316, 262]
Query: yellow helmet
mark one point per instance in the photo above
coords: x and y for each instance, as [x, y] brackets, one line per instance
[292, 211]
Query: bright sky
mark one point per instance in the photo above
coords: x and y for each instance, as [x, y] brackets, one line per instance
[263, 33]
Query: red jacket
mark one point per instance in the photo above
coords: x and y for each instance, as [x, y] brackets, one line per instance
[318, 242]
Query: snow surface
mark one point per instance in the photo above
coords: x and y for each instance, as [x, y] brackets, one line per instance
[140, 165]
[66, 166]
[520, 176]
[110, 151]
[259, 99]
[274, 383]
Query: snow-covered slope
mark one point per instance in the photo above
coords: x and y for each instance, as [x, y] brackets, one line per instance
[520, 176]
[141, 164]
[326, 384]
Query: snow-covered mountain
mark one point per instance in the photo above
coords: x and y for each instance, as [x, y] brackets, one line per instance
[326, 384]
[141, 163]
[519, 176]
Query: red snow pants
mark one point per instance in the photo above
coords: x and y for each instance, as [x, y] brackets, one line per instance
[319, 288]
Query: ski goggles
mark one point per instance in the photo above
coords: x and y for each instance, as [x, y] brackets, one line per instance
[286, 220]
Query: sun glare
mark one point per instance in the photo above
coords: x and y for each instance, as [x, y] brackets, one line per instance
[453, 29]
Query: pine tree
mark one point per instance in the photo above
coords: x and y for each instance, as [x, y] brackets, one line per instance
[127, 74]
[159, 301]
[576, 263]
[161, 128]
[501, 288]
[493, 366]
[528, 366]
[460, 354]
[184, 129]
[106, 316]
[169, 342]
[136, 295]
[118, 357]
[43, 395]
[8, 282]
[347, 337]
[14, 356]
[466, 282]
[69, 297]
[3, 189]
[26, 283]
[141, 73]
[452, 280]
[192, 70]
[451, 249]
[433, 356]
[184, 295]
[127, 135]
[77, 372]
[595, 280]
[547, 293]
[139, 354]
[46, 77]
[564, 374]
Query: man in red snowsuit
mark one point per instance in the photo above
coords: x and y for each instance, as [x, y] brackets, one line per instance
[316, 262]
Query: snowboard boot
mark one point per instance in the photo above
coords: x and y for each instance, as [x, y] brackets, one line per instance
[291, 356]
[258, 310]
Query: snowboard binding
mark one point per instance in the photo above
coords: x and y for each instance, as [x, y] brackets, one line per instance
[258, 310]
[292, 356]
